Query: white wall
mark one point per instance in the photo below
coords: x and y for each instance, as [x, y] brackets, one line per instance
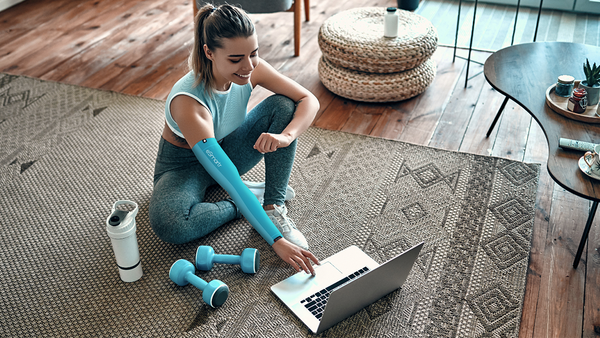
[4, 4]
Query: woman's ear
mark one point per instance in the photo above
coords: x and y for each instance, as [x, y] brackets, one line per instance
[208, 53]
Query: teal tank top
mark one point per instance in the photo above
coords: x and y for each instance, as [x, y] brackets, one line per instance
[228, 108]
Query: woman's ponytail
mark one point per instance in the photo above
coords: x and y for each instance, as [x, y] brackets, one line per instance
[198, 62]
[211, 25]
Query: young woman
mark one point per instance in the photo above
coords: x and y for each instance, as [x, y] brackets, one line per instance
[209, 138]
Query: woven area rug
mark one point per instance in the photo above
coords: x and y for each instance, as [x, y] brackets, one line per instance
[68, 153]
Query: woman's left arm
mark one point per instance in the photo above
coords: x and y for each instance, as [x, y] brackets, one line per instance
[307, 106]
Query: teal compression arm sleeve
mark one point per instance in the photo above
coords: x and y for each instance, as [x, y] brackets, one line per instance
[219, 166]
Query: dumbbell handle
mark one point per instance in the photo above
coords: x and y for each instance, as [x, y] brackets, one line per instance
[227, 259]
[195, 280]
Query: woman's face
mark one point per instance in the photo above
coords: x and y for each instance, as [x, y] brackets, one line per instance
[235, 61]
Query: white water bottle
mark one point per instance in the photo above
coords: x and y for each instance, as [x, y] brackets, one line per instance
[390, 23]
[120, 226]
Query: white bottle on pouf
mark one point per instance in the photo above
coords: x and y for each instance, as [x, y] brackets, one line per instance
[390, 23]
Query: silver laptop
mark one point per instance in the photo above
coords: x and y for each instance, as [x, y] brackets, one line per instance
[344, 284]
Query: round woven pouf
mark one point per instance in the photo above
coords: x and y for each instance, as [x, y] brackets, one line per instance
[354, 39]
[370, 87]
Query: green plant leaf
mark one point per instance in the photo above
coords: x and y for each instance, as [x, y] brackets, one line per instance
[594, 76]
[592, 73]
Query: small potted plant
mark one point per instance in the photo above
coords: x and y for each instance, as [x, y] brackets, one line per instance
[591, 82]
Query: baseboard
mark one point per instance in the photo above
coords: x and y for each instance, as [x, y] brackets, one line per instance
[4, 4]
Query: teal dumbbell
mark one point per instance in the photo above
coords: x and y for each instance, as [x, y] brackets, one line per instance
[214, 293]
[249, 260]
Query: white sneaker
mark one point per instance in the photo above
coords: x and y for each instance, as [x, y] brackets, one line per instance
[258, 189]
[287, 227]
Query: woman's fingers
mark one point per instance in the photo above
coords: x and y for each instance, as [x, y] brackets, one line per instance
[295, 256]
[294, 265]
[311, 257]
[266, 143]
[303, 263]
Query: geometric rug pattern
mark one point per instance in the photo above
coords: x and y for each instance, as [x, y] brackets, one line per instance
[68, 153]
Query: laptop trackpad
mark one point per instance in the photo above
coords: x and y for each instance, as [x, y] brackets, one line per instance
[303, 284]
[326, 272]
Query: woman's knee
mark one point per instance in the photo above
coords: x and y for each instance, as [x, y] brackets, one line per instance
[283, 106]
[168, 220]
[181, 223]
[165, 230]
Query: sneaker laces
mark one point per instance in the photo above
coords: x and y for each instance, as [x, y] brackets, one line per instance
[287, 227]
[284, 222]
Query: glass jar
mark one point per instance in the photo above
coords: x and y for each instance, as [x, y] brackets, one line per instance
[578, 101]
[564, 85]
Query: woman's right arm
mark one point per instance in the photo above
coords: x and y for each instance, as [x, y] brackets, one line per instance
[193, 119]
[195, 122]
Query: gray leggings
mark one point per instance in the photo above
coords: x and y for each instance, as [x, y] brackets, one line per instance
[178, 213]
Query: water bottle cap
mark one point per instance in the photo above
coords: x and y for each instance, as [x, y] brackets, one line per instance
[391, 9]
[117, 217]
[121, 223]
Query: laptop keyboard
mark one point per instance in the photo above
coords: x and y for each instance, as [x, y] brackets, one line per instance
[315, 303]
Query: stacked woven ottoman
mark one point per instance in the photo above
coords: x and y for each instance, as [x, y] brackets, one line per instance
[360, 64]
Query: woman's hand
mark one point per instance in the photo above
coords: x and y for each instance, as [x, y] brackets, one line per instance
[294, 255]
[268, 142]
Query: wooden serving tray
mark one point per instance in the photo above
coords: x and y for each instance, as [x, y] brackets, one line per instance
[559, 105]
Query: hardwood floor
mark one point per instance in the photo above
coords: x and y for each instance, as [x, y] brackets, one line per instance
[139, 47]
[495, 24]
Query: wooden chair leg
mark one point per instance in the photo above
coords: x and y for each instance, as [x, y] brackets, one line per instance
[297, 26]
[307, 9]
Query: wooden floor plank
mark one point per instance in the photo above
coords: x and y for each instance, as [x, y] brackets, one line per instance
[112, 43]
[129, 67]
[12, 33]
[560, 303]
[37, 40]
[591, 324]
[474, 140]
[392, 121]
[174, 66]
[458, 112]
[162, 78]
[537, 152]
[430, 105]
[26, 44]
[537, 254]
[34, 13]
[76, 38]
[338, 112]
[175, 43]
[513, 131]
[364, 118]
